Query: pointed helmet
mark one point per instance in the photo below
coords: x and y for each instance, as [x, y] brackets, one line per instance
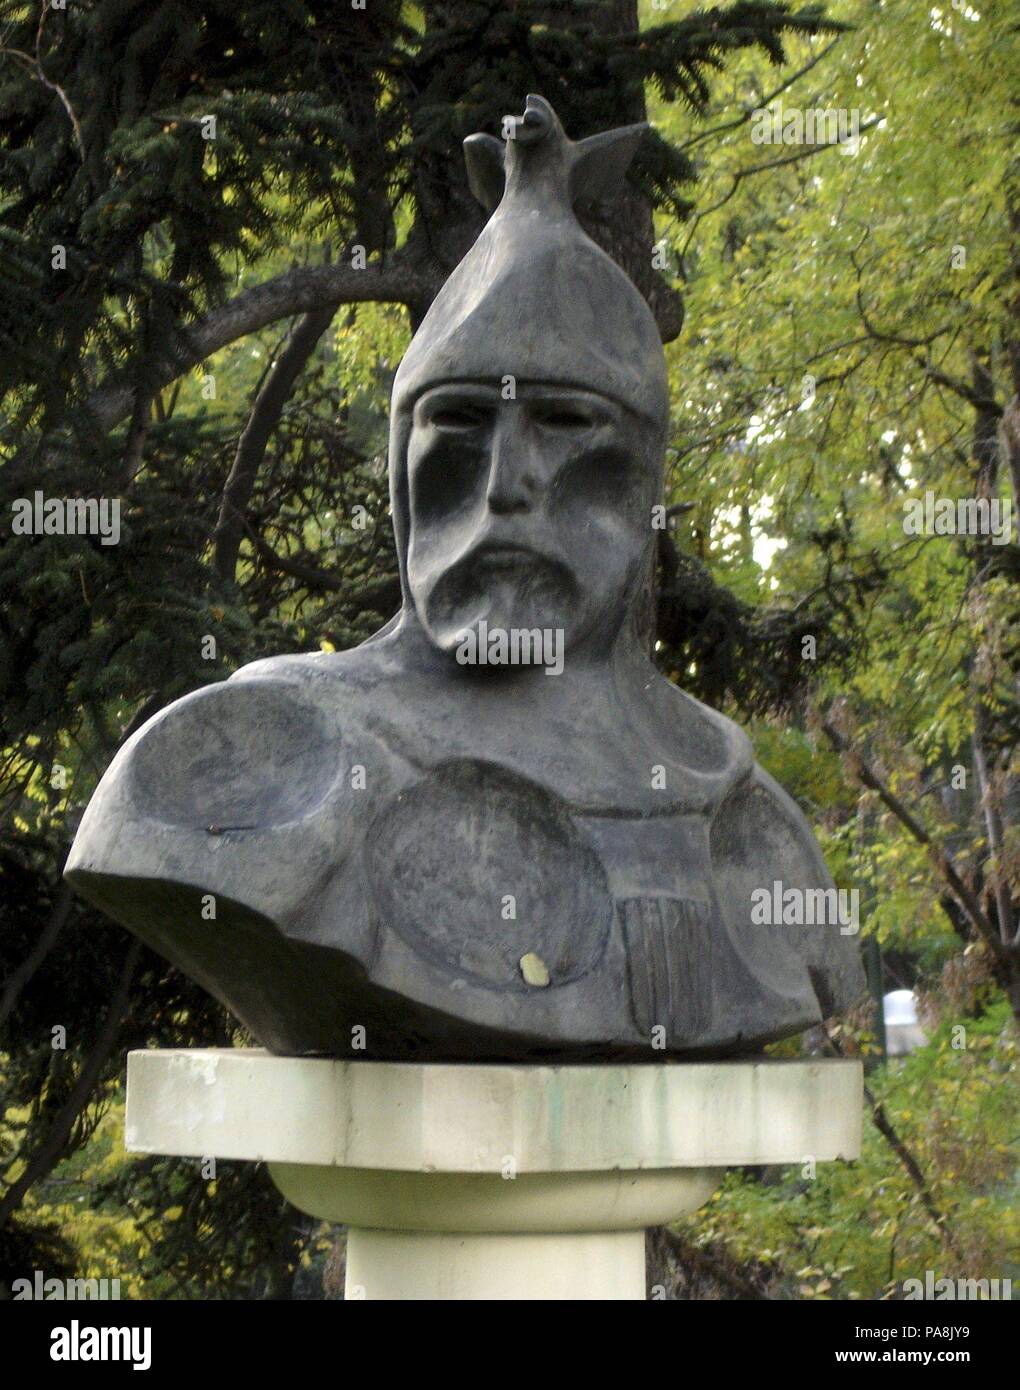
[535, 299]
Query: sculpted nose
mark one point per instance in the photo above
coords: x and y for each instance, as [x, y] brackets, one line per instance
[513, 480]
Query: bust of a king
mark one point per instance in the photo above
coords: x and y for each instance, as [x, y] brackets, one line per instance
[492, 831]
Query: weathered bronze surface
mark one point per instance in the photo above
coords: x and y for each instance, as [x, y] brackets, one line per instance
[493, 830]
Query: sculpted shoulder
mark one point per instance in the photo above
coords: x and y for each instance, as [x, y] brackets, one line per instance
[713, 754]
[268, 752]
[358, 668]
[762, 848]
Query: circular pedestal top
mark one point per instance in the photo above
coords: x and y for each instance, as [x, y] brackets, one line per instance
[461, 1118]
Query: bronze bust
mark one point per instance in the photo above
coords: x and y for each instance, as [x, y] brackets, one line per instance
[494, 830]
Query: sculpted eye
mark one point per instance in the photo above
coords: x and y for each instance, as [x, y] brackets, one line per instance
[564, 417]
[457, 417]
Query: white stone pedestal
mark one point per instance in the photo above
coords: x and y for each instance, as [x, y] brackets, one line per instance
[492, 1182]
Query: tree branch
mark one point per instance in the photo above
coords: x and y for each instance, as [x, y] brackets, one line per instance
[993, 827]
[960, 388]
[803, 152]
[745, 117]
[910, 1164]
[303, 290]
[35, 67]
[51, 1150]
[884, 1126]
[693, 1257]
[940, 857]
[386, 589]
[251, 446]
[45, 941]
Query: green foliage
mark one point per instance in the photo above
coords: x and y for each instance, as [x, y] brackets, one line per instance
[857, 1230]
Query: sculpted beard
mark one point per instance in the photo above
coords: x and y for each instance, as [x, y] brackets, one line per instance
[508, 589]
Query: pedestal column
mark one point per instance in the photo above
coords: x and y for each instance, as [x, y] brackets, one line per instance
[493, 1182]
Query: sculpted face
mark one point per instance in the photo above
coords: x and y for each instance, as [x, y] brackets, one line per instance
[527, 513]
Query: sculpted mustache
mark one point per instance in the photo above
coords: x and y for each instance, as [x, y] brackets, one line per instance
[538, 566]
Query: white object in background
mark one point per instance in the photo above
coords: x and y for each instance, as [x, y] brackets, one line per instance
[903, 1033]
